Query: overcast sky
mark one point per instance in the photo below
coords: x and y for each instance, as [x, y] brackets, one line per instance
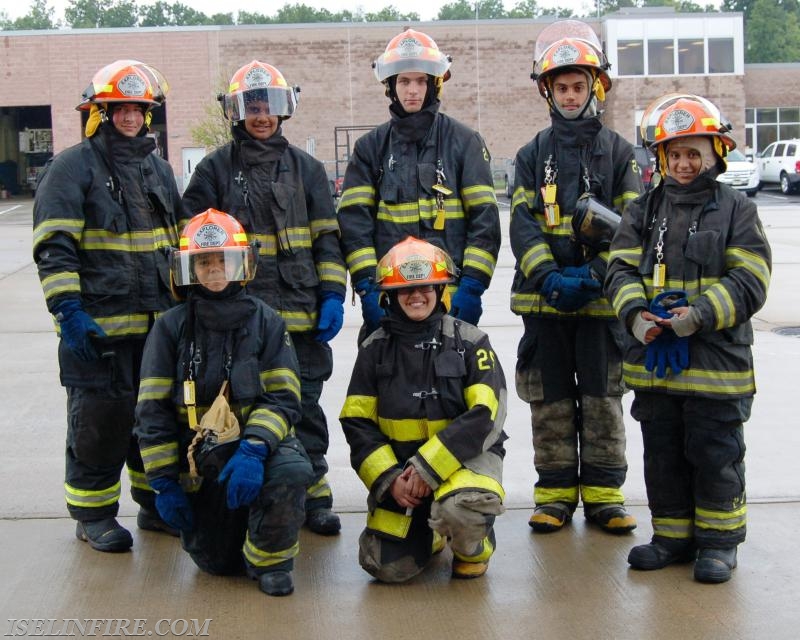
[426, 9]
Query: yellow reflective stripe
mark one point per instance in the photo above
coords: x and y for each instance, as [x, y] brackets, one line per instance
[480, 260]
[391, 522]
[280, 379]
[320, 226]
[522, 303]
[259, 558]
[410, 429]
[621, 200]
[478, 195]
[533, 257]
[564, 227]
[155, 388]
[403, 213]
[267, 244]
[429, 209]
[332, 272]
[487, 549]
[720, 520]
[138, 480]
[544, 495]
[723, 305]
[125, 325]
[356, 406]
[601, 495]
[466, 479]
[481, 394]
[298, 321]
[678, 528]
[92, 497]
[377, 463]
[160, 455]
[319, 489]
[58, 283]
[628, 293]
[692, 380]
[752, 262]
[129, 241]
[627, 255]
[70, 226]
[439, 457]
[362, 259]
[269, 420]
[359, 195]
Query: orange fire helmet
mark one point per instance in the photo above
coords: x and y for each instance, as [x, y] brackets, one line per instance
[414, 263]
[125, 81]
[413, 51]
[259, 82]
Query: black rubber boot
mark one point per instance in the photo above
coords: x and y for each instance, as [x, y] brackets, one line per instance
[151, 521]
[104, 535]
[658, 554]
[611, 518]
[324, 522]
[715, 565]
[276, 583]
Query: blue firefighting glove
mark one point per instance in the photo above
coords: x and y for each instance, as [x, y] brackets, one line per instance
[244, 473]
[371, 309]
[77, 327]
[172, 504]
[331, 315]
[466, 302]
[567, 293]
[667, 350]
[583, 271]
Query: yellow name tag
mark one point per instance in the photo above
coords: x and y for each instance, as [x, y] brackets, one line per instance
[659, 275]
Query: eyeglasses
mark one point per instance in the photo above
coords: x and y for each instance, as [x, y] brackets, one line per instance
[423, 288]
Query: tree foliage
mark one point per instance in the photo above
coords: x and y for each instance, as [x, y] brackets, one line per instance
[772, 33]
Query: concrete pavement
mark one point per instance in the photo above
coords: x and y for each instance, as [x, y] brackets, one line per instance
[574, 584]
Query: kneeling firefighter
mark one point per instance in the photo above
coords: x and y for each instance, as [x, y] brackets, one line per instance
[424, 420]
[222, 365]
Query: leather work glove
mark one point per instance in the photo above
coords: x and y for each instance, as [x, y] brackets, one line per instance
[331, 315]
[371, 309]
[466, 302]
[77, 327]
[667, 350]
[567, 293]
[244, 473]
[172, 504]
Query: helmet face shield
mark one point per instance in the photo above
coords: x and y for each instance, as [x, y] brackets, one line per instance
[276, 101]
[206, 265]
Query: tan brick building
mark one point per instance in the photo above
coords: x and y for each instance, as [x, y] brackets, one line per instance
[42, 75]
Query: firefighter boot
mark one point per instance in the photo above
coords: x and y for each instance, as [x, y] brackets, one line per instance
[611, 518]
[323, 521]
[715, 565]
[468, 570]
[661, 552]
[276, 583]
[550, 517]
[104, 535]
[151, 521]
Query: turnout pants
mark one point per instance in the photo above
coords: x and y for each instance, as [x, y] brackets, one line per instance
[694, 467]
[262, 537]
[101, 399]
[316, 366]
[570, 372]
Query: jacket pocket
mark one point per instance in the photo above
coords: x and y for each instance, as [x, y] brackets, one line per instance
[245, 379]
[701, 247]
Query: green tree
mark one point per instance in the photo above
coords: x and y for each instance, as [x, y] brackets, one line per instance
[772, 33]
[458, 10]
[40, 16]
[214, 130]
[245, 17]
[391, 14]
[301, 13]
[525, 9]
[91, 14]
[222, 18]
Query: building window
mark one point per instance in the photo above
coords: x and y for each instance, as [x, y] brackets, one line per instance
[690, 57]
[630, 57]
[661, 57]
[720, 55]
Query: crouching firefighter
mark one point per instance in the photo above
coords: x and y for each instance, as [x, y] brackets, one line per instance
[220, 380]
[424, 420]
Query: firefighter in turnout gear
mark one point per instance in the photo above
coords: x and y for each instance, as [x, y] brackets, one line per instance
[689, 267]
[569, 362]
[424, 420]
[105, 215]
[224, 357]
[422, 174]
[280, 194]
